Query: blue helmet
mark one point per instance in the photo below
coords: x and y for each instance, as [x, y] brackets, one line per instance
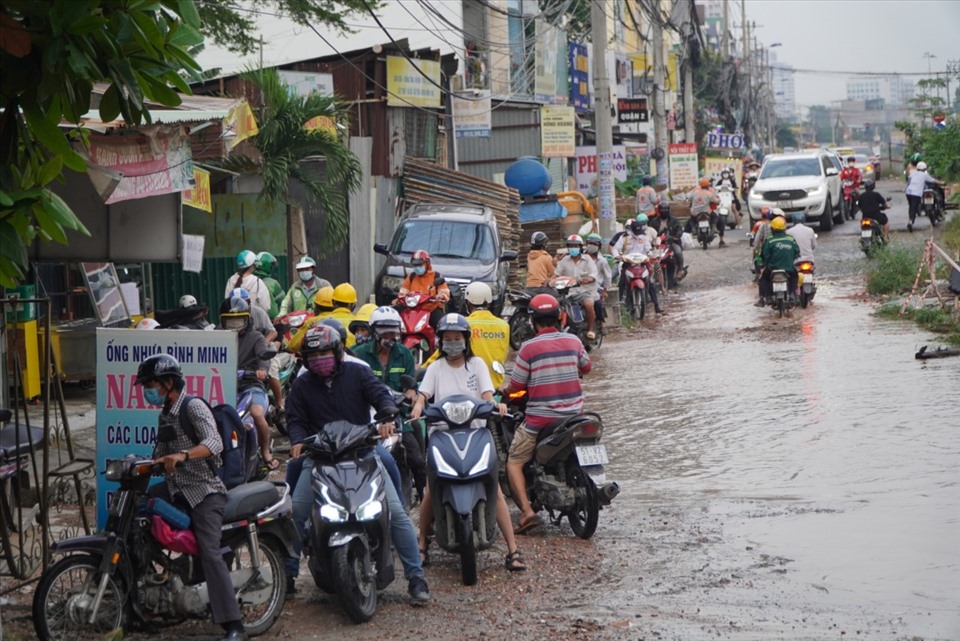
[799, 218]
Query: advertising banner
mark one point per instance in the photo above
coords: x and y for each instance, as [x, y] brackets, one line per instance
[587, 167]
[683, 166]
[472, 117]
[322, 123]
[241, 120]
[302, 83]
[713, 165]
[725, 142]
[579, 76]
[157, 161]
[126, 424]
[558, 136]
[407, 87]
[199, 196]
[545, 64]
[630, 110]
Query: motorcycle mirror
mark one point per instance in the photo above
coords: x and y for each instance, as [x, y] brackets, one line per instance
[498, 368]
[509, 254]
[380, 248]
[407, 382]
[385, 415]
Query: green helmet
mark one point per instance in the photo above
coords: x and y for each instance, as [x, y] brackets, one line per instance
[915, 158]
[595, 238]
[266, 264]
[642, 218]
[245, 260]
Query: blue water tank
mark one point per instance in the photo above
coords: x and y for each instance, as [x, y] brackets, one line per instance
[528, 176]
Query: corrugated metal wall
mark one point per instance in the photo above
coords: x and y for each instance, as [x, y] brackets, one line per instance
[170, 282]
[516, 133]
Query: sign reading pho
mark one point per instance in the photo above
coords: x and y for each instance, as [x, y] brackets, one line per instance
[731, 142]
[407, 83]
[683, 166]
[126, 423]
[558, 134]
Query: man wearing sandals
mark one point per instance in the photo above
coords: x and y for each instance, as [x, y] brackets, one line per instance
[549, 367]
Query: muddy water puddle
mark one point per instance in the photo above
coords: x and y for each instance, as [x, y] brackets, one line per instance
[804, 465]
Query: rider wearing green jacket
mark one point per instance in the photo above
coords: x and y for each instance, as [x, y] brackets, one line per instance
[266, 268]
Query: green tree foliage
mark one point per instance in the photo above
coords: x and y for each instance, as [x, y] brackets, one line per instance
[234, 24]
[940, 148]
[787, 137]
[283, 142]
[51, 54]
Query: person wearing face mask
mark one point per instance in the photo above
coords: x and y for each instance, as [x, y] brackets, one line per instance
[604, 281]
[266, 267]
[426, 281]
[235, 316]
[574, 265]
[460, 372]
[337, 390]
[194, 487]
[633, 241]
[299, 297]
[390, 361]
[360, 325]
[259, 293]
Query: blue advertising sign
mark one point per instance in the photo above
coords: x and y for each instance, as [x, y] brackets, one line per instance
[126, 423]
[579, 76]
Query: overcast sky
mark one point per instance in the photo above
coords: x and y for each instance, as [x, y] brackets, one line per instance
[821, 36]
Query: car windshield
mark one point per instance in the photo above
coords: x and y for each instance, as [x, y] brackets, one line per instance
[789, 167]
[862, 161]
[866, 151]
[445, 239]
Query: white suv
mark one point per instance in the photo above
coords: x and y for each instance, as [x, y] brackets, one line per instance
[805, 182]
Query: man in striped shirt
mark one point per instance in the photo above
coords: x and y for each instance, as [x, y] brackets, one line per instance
[549, 367]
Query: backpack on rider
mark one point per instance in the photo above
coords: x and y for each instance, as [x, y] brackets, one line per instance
[238, 460]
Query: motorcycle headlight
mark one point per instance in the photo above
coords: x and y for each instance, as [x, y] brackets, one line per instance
[442, 466]
[459, 412]
[421, 323]
[483, 463]
[333, 513]
[114, 471]
[369, 510]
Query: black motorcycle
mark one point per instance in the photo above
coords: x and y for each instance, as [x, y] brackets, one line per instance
[462, 473]
[142, 571]
[517, 313]
[705, 232]
[566, 475]
[347, 538]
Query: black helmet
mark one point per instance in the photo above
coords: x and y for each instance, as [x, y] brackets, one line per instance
[322, 338]
[647, 181]
[664, 209]
[158, 367]
[544, 306]
[869, 184]
[337, 327]
[538, 240]
[851, 159]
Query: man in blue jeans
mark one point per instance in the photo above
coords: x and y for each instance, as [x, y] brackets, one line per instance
[338, 390]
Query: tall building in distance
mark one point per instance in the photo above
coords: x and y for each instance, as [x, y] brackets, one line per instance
[895, 91]
[784, 91]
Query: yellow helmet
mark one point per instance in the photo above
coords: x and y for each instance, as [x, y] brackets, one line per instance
[778, 224]
[362, 317]
[345, 294]
[323, 298]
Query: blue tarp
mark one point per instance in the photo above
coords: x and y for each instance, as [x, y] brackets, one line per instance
[532, 212]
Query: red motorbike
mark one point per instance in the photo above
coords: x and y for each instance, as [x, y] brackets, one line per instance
[418, 335]
[639, 272]
[290, 324]
[850, 197]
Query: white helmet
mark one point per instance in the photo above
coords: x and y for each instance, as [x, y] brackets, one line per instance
[188, 301]
[478, 294]
[922, 166]
[385, 318]
[147, 323]
[306, 263]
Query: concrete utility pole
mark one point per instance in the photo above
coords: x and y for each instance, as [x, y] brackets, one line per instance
[690, 133]
[604, 124]
[745, 34]
[659, 110]
[725, 47]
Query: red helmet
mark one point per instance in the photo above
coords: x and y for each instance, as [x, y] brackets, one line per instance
[574, 239]
[420, 257]
[544, 306]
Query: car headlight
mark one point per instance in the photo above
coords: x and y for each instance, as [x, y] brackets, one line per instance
[442, 466]
[755, 194]
[369, 510]
[869, 168]
[459, 412]
[482, 464]
[115, 468]
[333, 513]
[816, 191]
[392, 283]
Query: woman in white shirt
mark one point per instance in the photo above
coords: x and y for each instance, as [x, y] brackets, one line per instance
[460, 372]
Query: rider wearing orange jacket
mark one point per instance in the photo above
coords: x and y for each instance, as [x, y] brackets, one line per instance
[425, 281]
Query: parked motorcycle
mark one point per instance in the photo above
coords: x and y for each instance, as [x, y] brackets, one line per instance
[931, 205]
[637, 269]
[572, 317]
[850, 197]
[566, 476]
[517, 313]
[783, 300]
[347, 539]
[142, 571]
[871, 236]
[418, 335]
[705, 231]
[806, 282]
[462, 470]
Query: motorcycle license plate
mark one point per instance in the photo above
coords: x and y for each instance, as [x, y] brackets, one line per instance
[703, 224]
[785, 204]
[806, 278]
[779, 287]
[866, 233]
[508, 310]
[592, 454]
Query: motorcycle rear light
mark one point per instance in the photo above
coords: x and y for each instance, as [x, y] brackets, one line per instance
[806, 267]
[865, 223]
[928, 199]
[513, 396]
[588, 429]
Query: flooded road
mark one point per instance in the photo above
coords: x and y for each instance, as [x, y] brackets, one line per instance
[811, 462]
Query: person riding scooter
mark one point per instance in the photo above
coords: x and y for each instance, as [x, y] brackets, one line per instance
[779, 252]
[673, 229]
[425, 281]
[729, 179]
[604, 281]
[872, 205]
[647, 197]
[851, 179]
[266, 267]
[702, 200]
[299, 297]
[574, 265]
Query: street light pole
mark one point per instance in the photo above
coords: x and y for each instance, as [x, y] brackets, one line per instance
[604, 125]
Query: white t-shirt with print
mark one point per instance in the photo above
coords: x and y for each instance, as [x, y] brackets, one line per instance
[442, 380]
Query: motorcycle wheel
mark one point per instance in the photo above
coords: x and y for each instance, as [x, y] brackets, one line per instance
[356, 593]
[468, 550]
[586, 513]
[261, 598]
[804, 300]
[280, 421]
[520, 329]
[781, 307]
[64, 594]
[638, 303]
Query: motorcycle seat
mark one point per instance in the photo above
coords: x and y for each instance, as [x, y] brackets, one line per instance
[248, 499]
[8, 441]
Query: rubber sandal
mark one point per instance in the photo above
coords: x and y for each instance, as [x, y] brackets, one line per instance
[515, 562]
[526, 526]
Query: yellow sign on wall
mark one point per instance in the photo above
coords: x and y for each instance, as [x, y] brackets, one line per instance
[558, 133]
[643, 66]
[242, 121]
[199, 196]
[408, 87]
